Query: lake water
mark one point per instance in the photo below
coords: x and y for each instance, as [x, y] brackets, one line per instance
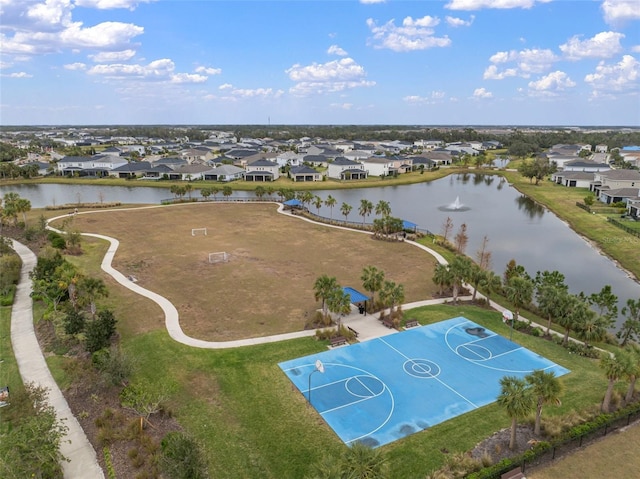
[517, 227]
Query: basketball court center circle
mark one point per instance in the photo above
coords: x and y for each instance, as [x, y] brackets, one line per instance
[421, 368]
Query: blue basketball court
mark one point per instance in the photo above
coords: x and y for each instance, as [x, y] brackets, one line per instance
[387, 388]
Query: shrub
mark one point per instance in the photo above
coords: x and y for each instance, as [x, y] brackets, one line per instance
[99, 331]
[115, 365]
[181, 457]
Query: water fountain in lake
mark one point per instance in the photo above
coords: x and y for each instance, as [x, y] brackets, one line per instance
[457, 205]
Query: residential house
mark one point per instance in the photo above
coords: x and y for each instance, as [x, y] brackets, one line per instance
[134, 169]
[197, 155]
[602, 148]
[315, 160]
[107, 162]
[344, 169]
[285, 158]
[585, 165]
[262, 170]
[439, 157]
[613, 180]
[224, 173]
[172, 162]
[304, 173]
[189, 172]
[423, 162]
[619, 195]
[573, 179]
[378, 166]
[428, 144]
[633, 208]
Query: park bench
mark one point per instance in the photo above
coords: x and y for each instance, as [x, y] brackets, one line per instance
[338, 341]
[355, 333]
[412, 323]
[513, 474]
[388, 322]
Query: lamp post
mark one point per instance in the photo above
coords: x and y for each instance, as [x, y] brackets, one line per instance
[319, 367]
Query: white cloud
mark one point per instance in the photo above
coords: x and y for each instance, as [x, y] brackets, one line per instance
[371, 2]
[17, 75]
[624, 75]
[498, 4]
[102, 35]
[602, 45]
[162, 70]
[32, 27]
[209, 70]
[108, 57]
[333, 76]
[257, 93]
[620, 11]
[551, 83]
[435, 97]
[414, 34]
[342, 106]
[635, 49]
[75, 66]
[459, 22]
[110, 4]
[482, 93]
[526, 62]
[51, 13]
[225, 86]
[492, 73]
[336, 50]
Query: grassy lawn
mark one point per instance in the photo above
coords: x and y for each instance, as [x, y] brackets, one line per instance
[610, 457]
[9, 374]
[266, 287]
[251, 421]
[254, 423]
[616, 243]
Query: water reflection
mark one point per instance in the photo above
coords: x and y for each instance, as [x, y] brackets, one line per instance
[530, 207]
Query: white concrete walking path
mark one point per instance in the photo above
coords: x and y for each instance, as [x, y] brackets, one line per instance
[82, 461]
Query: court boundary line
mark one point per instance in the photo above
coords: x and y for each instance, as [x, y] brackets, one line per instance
[479, 363]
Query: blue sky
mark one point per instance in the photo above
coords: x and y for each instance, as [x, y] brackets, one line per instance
[421, 62]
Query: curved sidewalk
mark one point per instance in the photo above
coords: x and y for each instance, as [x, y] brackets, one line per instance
[172, 318]
[82, 461]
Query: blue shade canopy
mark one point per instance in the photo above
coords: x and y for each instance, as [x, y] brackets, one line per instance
[408, 225]
[293, 202]
[355, 296]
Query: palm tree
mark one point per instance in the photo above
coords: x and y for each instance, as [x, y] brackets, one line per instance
[227, 191]
[632, 371]
[631, 327]
[518, 401]
[614, 367]
[92, 289]
[383, 208]
[476, 275]
[593, 327]
[188, 188]
[339, 302]
[547, 389]
[392, 294]
[490, 284]
[323, 287]
[441, 277]
[565, 306]
[330, 202]
[205, 192]
[366, 207]
[214, 191]
[317, 202]
[345, 209]
[459, 271]
[519, 292]
[372, 279]
[259, 192]
[548, 297]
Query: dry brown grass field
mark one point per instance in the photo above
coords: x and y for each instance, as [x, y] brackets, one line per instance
[266, 287]
[613, 456]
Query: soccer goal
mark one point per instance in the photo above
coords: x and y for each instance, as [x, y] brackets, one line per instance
[196, 231]
[220, 257]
